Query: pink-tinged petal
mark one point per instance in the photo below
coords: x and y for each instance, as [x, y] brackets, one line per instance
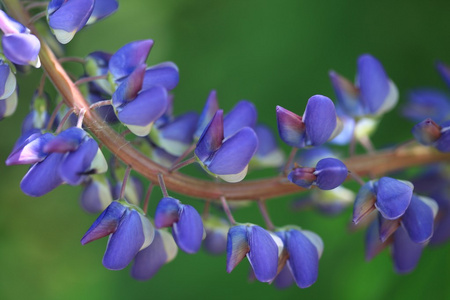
[105, 224]
[303, 258]
[364, 202]
[164, 74]
[127, 58]
[188, 230]
[387, 227]
[130, 87]
[373, 83]
[237, 246]
[235, 153]
[284, 279]
[167, 212]
[303, 177]
[418, 219]
[331, 173]
[319, 119]
[209, 110]
[263, 254]
[346, 94]
[405, 253]
[291, 128]
[373, 243]
[427, 132]
[31, 150]
[68, 140]
[393, 197]
[76, 164]
[242, 115]
[149, 260]
[211, 138]
[42, 177]
[125, 242]
[146, 108]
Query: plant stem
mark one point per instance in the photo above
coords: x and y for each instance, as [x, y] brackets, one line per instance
[147, 197]
[227, 210]
[124, 182]
[90, 79]
[182, 164]
[263, 209]
[162, 185]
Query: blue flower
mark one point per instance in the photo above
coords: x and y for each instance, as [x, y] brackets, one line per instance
[328, 174]
[8, 106]
[129, 232]
[186, 223]
[429, 133]
[301, 252]
[261, 248]
[96, 195]
[268, 153]
[317, 125]
[216, 235]
[226, 157]
[19, 45]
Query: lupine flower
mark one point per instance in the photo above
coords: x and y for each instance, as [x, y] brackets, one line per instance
[149, 260]
[317, 125]
[329, 202]
[129, 232]
[97, 65]
[389, 196]
[228, 157]
[139, 109]
[133, 190]
[429, 133]
[176, 136]
[407, 240]
[242, 115]
[69, 157]
[216, 235]
[328, 174]
[261, 248]
[38, 117]
[427, 103]
[66, 18]
[128, 58]
[268, 153]
[186, 223]
[19, 45]
[301, 252]
[96, 195]
[373, 92]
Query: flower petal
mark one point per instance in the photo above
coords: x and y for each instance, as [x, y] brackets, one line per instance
[127, 58]
[263, 254]
[346, 94]
[373, 243]
[237, 246]
[167, 212]
[31, 150]
[42, 177]
[393, 197]
[105, 224]
[235, 153]
[125, 242]
[364, 202]
[418, 219]
[164, 74]
[242, 115]
[211, 106]
[291, 128]
[102, 9]
[188, 230]
[303, 258]
[405, 253]
[319, 119]
[427, 103]
[68, 140]
[211, 138]
[331, 173]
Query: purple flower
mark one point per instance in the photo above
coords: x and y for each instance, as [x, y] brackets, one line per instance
[129, 232]
[373, 92]
[66, 18]
[209, 110]
[149, 260]
[228, 157]
[186, 223]
[216, 235]
[427, 103]
[8, 82]
[389, 196]
[133, 190]
[102, 9]
[317, 125]
[261, 248]
[19, 45]
[268, 153]
[328, 174]
[97, 65]
[330, 202]
[8, 106]
[301, 252]
[136, 108]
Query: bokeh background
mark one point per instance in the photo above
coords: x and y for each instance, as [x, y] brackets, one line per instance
[269, 52]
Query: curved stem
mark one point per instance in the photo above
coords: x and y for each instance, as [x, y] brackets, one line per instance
[375, 164]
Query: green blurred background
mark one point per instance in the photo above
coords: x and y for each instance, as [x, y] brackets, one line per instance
[269, 52]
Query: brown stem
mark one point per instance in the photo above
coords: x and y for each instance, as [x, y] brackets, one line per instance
[90, 79]
[263, 209]
[147, 197]
[124, 182]
[375, 164]
[227, 210]
[54, 114]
